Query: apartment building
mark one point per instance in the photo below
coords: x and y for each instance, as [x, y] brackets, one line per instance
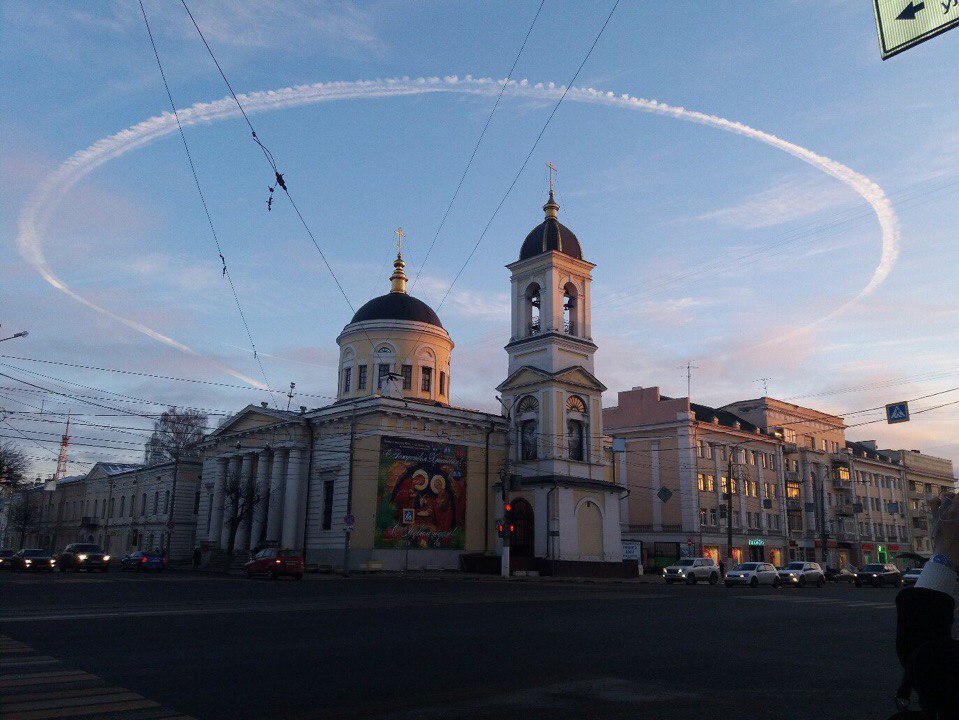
[926, 477]
[678, 460]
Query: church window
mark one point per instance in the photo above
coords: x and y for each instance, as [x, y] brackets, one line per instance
[528, 440]
[426, 379]
[407, 372]
[528, 404]
[383, 370]
[575, 404]
[570, 309]
[444, 388]
[327, 504]
[361, 378]
[347, 377]
[575, 439]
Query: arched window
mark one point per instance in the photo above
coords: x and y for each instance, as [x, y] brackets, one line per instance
[527, 415]
[384, 364]
[570, 309]
[531, 310]
[166, 501]
[576, 427]
[143, 505]
[122, 501]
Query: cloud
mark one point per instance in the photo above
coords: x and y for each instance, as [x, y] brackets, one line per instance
[787, 200]
[36, 213]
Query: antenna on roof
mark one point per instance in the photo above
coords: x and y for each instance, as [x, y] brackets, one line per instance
[765, 382]
[689, 367]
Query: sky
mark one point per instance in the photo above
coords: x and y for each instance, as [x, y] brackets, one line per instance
[819, 253]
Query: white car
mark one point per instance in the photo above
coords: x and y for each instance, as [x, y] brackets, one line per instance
[689, 570]
[802, 574]
[753, 574]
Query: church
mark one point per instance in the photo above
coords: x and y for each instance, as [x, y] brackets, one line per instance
[394, 476]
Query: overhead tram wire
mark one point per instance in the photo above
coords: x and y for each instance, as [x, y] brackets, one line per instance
[156, 376]
[479, 140]
[206, 209]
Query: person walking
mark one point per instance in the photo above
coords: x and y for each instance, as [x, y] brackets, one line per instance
[722, 570]
[926, 629]
[197, 556]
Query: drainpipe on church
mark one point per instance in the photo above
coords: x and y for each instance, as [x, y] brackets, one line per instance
[347, 530]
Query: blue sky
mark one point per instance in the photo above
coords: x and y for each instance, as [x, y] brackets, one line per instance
[709, 245]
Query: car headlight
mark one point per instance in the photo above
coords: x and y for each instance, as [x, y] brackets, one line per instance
[27, 562]
[81, 557]
[792, 574]
[106, 558]
[53, 561]
[664, 571]
[874, 575]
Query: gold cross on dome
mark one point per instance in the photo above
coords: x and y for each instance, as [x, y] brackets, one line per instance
[399, 241]
[552, 169]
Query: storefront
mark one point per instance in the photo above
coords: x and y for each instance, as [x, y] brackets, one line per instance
[776, 556]
[711, 551]
[757, 550]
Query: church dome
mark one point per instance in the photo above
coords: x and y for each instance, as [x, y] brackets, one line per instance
[549, 235]
[397, 306]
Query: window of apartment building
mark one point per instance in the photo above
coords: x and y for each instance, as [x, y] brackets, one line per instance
[824, 445]
[789, 435]
[754, 487]
[792, 491]
[749, 519]
[795, 466]
[407, 372]
[706, 482]
[722, 453]
[712, 516]
[347, 379]
[327, 504]
[703, 514]
[765, 460]
[722, 512]
[701, 479]
[361, 378]
[726, 484]
[700, 450]
[842, 472]
[426, 379]
[776, 521]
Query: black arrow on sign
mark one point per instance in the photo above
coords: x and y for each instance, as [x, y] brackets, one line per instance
[910, 11]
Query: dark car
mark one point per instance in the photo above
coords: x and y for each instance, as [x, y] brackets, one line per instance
[275, 562]
[843, 574]
[879, 574]
[32, 560]
[143, 561]
[84, 556]
[6, 555]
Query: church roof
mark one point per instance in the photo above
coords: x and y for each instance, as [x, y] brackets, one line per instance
[549, 235]
[397, 306]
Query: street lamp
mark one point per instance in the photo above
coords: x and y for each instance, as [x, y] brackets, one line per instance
[22, 333]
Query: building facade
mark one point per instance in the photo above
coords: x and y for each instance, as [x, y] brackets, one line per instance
[926, 478]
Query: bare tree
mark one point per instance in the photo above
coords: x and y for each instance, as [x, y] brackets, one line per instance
[176, 436]
[13, 465]
[240, 497]
[24, 514]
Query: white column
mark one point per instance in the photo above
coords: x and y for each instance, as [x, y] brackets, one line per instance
[262, 489]
[232, 468]
[218, 475]
[291, 499]
[246, 475]
[274, 514]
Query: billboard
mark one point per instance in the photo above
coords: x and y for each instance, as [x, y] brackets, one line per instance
[428, 480]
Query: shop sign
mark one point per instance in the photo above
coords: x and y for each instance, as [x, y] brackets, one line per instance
[757, 542]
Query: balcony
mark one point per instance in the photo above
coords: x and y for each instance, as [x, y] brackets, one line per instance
[792, 476]
[793, 505]
[838, 484]
[844, 510]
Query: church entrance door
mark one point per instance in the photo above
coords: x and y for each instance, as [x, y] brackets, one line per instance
[521, 543]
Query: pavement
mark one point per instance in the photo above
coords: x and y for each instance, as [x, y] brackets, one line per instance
[430, 646]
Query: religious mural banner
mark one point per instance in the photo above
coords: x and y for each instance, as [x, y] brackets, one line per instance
[429, 479]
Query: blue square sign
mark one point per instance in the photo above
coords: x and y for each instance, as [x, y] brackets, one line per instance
[407, 516]
[897, 412]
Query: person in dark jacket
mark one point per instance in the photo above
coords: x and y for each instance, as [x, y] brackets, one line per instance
[197, 556]
[925, 636]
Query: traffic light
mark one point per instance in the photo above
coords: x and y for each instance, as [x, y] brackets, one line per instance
[500, 529]
[505, 527]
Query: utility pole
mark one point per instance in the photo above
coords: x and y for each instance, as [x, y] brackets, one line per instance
[689, 367]
[823, 532]
[347, 527]
[506, 476]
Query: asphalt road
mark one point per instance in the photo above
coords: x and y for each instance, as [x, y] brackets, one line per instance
[398, 648]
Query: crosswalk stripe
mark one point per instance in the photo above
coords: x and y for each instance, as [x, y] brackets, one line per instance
[25, 662]
[34, 679]
[79, 711]
[50, 703]
[54, 694]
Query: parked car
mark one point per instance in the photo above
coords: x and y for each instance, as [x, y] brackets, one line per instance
[843, 574]
[753, 574]
[6, 555]
[143, 561]
[801, 574]
[911, 576]
[84, 556]
[32, 560]
[690, 570]
[275, 562]
[879, 574]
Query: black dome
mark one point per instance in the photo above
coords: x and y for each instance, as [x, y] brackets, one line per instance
[551, 234]
[397, 306]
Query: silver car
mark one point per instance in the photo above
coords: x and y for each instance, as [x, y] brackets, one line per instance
[753, 574]
[690, 570]
[801, 574]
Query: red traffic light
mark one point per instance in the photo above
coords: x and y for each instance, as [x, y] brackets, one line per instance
[507, 507]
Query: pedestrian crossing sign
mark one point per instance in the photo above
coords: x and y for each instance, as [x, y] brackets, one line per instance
[897, 412]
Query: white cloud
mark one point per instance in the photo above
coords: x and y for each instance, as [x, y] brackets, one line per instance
[787, 200]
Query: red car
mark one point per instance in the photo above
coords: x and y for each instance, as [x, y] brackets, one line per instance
[276, 562]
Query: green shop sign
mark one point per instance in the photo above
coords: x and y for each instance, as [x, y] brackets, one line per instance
[757, 542]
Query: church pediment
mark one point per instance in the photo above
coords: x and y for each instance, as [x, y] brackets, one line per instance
[251, 418]
[528, 376]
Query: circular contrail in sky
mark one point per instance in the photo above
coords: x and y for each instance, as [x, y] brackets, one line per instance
[36, 213]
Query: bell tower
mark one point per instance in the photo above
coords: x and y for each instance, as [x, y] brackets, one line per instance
[554, 400]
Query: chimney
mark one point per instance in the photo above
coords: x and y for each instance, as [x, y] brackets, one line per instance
[302, 409]
[263, 404]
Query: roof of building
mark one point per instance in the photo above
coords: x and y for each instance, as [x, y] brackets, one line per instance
[549, 235]
[117, 468]
[397, 306]
[705, 414]
[865, 451]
